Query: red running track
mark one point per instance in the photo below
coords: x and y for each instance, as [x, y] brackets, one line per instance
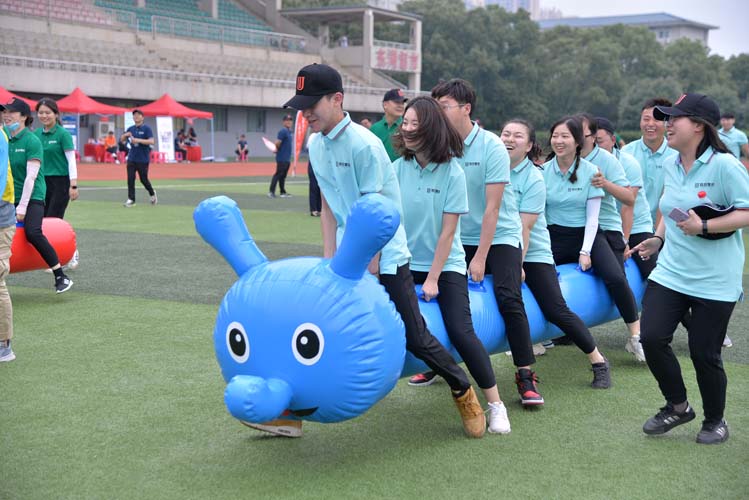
[202, 170]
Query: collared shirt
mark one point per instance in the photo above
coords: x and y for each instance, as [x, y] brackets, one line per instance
[23, 147]
[283, 154]
[609, 218]
[385, 132]
[140, 153]
[709, 269]
[733, 139]
[652, 169]
[350, 162]
[429, 193]
[54, 143]
[566, 202]
[528, 184]
[7, 209]
[641, 221]
[485, 161]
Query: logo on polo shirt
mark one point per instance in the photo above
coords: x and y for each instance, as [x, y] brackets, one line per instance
[20, 150]
[433, 190]
[51, 142]
[704, 184]
[472, 164]
[572, 189]
[342, 164]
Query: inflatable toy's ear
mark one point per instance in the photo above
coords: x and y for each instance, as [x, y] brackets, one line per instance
[219, 221]
[371, 224]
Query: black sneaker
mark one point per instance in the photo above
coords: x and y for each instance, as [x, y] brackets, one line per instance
[713, 432]
[423, 379]
[601, 375]
[63, 284]
[667, 419]
[526, 381]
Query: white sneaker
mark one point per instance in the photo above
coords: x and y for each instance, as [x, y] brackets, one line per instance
[6, 353]
[498, 421]
[633, 346]
[539, 350]
[73, 264]
[154, 199]
[129, 203]
[727, 342]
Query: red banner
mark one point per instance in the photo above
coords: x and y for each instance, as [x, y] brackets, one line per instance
[300, 131]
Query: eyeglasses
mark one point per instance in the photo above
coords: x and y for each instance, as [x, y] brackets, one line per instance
[445, 107]
[590, 135]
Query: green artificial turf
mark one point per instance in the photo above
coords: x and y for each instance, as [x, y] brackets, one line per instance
[116, 393]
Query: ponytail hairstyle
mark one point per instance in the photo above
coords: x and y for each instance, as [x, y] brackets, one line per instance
[51, 104]
[575, 126]
[435, 136]
[535, 152]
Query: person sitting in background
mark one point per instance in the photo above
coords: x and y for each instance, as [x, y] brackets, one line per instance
[242, 150]
[191, 138]
[110, 144]
[179, 146]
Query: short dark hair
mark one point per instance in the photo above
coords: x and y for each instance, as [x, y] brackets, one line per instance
[535, 152]
[656, 101]
[457, 88]
[588, 117]
[436, 137]
[575, 126]
[728, 114]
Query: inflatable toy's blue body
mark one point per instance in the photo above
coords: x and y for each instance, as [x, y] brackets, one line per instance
[318, 339]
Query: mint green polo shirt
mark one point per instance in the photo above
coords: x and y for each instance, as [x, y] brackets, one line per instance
[566, 202]
[429, 193]
[609, 218]
[641, 221]
[55, 143]
[733, 139]
[350, 162]
[709, 269]
[652, 169]
[530, 191]
[385, 133]
[23, 147]
[485, 161]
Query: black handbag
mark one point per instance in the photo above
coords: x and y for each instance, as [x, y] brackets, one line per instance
[707, 212]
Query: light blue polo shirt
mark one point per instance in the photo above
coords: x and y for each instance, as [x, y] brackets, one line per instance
[733, 139]
[485, 161]
[641, 221]
[428, 193]
[709, 269]
[530, 191]
[609, 218]
[652, 169]
[350, 162]
[565, 201]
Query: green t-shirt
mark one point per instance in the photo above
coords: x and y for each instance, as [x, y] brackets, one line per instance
[23, 147]
[385, 133]
[55, 143]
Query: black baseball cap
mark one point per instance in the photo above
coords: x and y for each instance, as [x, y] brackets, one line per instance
[314, 82]
[395, 95]
[287, 117]
[137, 111]
[698, 105]
[605, 124]
[16, 104]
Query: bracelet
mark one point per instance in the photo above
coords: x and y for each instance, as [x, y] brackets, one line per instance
[704, 227]
[662, 240]
[585, 252]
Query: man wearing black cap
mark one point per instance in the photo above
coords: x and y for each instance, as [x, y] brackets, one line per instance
[283, 158]
[393, 103]
[351, 162]
[7, 230]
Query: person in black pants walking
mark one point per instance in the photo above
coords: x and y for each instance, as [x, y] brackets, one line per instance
[283, 158]
[315, 200]
[140, 137]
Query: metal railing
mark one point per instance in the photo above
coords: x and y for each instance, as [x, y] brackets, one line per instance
[393, 45]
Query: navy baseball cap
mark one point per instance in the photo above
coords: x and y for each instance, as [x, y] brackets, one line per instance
[605, 124]
[16, 104]
[698, 105]
[314, 82]
[395, 95]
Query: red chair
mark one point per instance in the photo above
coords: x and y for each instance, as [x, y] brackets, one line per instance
[122, 156]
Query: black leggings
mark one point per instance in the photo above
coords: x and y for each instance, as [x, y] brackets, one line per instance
[543, 283]
[32, 226]
[282, 168]
[456, 313]
[58, 195]
[419, 340]
[607, 257]
[645, 266]
[315, 200]
[504, 263]
[142, 169]
[662, 309]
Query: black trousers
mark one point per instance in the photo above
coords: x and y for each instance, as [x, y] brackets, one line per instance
[456, 313]
[419, 340]
[315, 200]
[645, 266]
[32, 225]
[58, 195]
[543, 283]
[282, 168]
[662, 309]
[504, 263]
[142, 169]
[607, 257]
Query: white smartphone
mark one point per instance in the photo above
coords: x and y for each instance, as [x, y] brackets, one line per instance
[678, 215]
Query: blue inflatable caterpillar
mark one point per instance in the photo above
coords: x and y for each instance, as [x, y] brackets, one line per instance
[319, 339]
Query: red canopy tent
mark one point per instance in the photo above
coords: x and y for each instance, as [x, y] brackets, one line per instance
[6, 96]
[167, 106]
[78, 102]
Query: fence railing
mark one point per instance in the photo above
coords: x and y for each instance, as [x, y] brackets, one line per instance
[393, 45]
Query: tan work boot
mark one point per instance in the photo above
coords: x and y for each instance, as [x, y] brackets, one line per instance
[474, 420]
[279, 427]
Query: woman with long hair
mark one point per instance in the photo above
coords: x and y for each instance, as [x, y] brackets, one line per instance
[434, 196]
[699, 265]
[539, 271]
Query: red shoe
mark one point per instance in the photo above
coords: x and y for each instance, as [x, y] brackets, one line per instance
[423, 379]
[526, 381]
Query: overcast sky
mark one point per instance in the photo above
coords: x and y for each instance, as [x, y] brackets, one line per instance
[732, 16]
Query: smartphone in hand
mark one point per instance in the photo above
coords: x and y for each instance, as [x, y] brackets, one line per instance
[678, 215]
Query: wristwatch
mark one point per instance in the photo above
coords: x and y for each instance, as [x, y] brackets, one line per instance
[704, 227]
[585, 252]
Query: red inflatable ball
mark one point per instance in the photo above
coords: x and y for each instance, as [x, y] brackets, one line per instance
[25, 257]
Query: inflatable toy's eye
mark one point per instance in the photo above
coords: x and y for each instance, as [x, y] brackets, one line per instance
[307, 344]
[237, 342]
